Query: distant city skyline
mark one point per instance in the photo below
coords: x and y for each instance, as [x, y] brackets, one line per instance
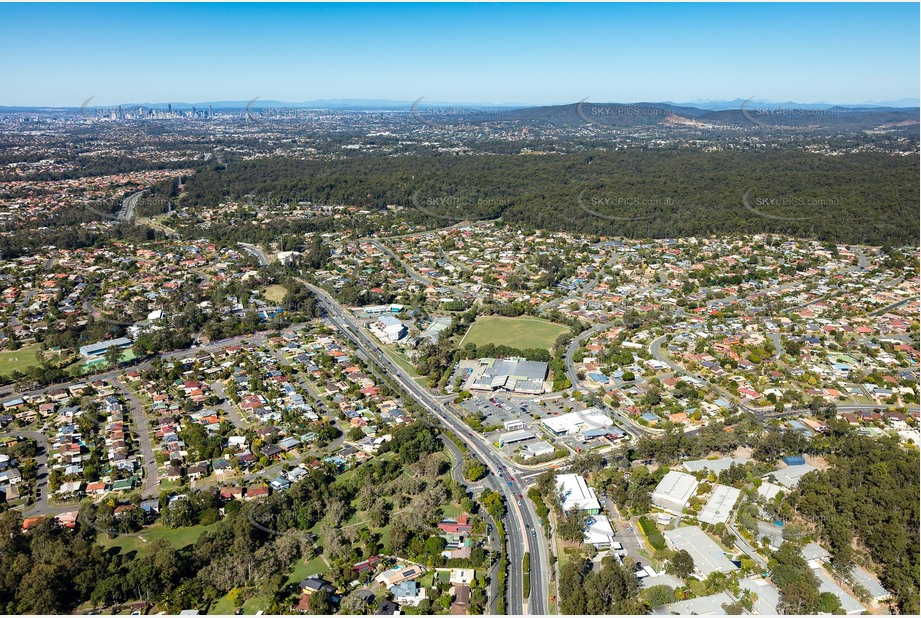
[515, 54]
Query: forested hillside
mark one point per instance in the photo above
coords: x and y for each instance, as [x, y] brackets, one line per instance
[866, 198]
[868, 501]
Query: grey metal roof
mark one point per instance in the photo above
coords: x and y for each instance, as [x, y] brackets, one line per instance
[708, 556]
[720, 505]
[702, 606]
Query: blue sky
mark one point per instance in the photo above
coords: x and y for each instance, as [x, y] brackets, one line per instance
[62, 54]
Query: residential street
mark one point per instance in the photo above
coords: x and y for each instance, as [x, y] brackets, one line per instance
[139, 420]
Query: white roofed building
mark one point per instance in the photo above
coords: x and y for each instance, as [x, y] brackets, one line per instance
[577, 494]
[708, 556]
[510, 374]
[392, 328]
[599, 532]
[576, 422]
[720, 505]
[673, 491]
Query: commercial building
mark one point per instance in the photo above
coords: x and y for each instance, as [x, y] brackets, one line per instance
[515, 375]
[382, 309]
[863, 577]
[849, 604]
[768, 490]
[436, 327]
[701, 606]
[536, 449]
[713, 465]
[720, 505]
[99, 348]
[577, 494]
[607, 432]
[392, 328]
[789, 477]
[767, 596]
[515, 436]
[599, 532]
[673, 491]
[576, 422]
[708, 556]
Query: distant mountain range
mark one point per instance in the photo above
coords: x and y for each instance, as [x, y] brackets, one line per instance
[737, 103]
[745, 114]
[422, 103]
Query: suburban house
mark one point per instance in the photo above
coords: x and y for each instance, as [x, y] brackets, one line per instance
[399, 574]
[459, 526]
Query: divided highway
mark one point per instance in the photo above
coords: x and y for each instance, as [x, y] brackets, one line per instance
[523, 525]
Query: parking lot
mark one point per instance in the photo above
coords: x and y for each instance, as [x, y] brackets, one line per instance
[497, 409]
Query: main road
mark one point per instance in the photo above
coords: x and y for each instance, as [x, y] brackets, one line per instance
[523, 523]
[523, 536]
[127, 210]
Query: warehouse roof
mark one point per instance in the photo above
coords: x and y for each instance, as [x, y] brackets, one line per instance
[590, 418]
[708, 556]
[714, 465]
[675, 487]
[849, 604]
[789, 477]
[599, 531]
[516, 374]
[768, 490]
[576, 493]
[101, 346]
[869, 583]
[768, 597]
[701, 606]
[537, 449]
[720, 505]
[517, 368]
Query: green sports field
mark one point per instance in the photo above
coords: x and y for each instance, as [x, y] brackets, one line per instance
[522, 332]
[20, 359]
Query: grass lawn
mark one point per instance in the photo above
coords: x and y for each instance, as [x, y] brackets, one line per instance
[427, 580]
[451, 510]
[303, 570]
[565, 554]
[401, 360]
[522, 332]
[255, 604]
[356, 518]
[20, 359]
[275, 293]
[177, 537]
[226, 607]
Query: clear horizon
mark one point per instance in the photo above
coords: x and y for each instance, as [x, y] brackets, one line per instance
[515, 54]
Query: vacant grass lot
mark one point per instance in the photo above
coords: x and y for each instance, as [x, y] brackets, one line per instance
[275, 293]
[177, 537]
[522, 332]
